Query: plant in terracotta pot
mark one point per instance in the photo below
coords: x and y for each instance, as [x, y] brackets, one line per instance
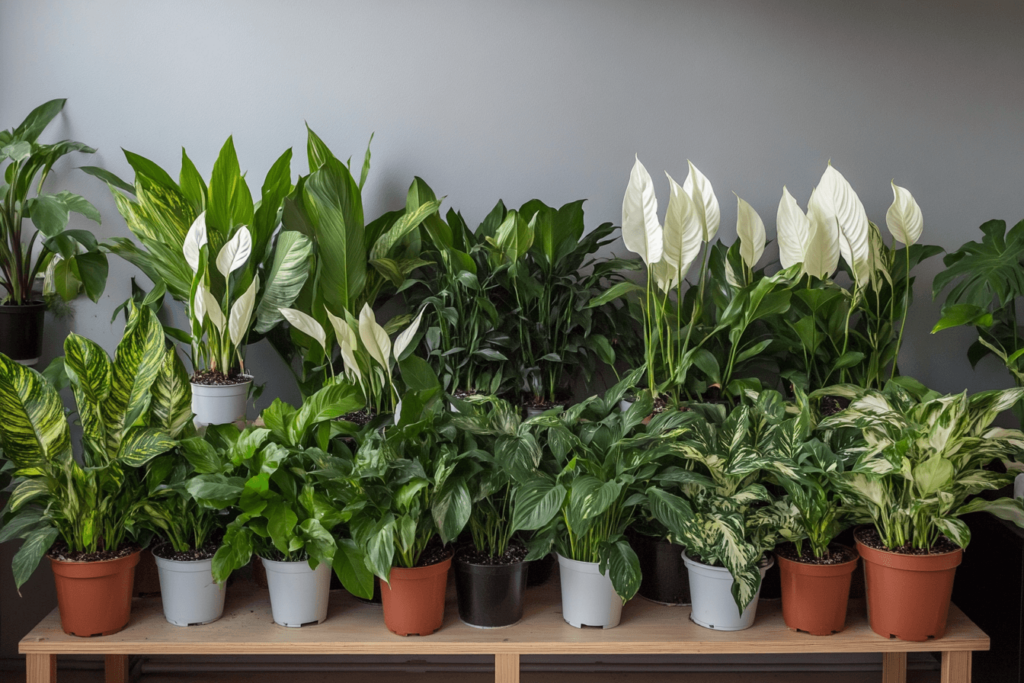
[725, 517]
[282, 483]
[597, 461]
[71, 259]
[89, 520]
[219, 253]
[413, 499]
[815, 571]
[917, 458]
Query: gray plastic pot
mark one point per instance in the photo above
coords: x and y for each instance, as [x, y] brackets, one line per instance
[588, 597]
[220, 404]
[711, 594]
[298, 594]
[189, 593]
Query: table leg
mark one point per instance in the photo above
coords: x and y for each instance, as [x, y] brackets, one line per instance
[506, 668]
[894, 667]
[41, 668]
[956, 667]
[116, 667]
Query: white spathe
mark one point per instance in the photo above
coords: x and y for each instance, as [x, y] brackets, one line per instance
[904, 218]
[641, 231]
[750, 230]
[195, 240]
[703, 195]
[235, 253]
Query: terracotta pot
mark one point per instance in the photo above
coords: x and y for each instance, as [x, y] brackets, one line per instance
[95, 598]
[908, 595]
[814, 596]
[414, 602]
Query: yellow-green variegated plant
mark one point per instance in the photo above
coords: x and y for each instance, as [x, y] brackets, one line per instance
[846, 334]
[131, 410]
[918, 459]
[368, 356]
[722, 513]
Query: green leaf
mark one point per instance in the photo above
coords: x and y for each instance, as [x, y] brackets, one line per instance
[201, 455]
[90, 374]
[451, 508]
[229, 203]
[31, 551]
[48, 213]
[108, 177]
[92, 271]
[34, 430]
[38, 119]
[172, 396]
[335, 208]
[192, 184]
[350, 566]
[142, 444]
[287, 276]
[624, 569]
[537, 501]
[955, 315]
[614, 292]
[281, 521]
[27, 491]
[330, 402]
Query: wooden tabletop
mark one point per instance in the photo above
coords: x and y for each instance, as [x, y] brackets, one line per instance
[353, 627]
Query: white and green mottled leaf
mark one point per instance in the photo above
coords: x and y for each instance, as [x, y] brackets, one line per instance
[142, 444]
[91, 374]
[288, 274]
[171, 404]
[34, 431]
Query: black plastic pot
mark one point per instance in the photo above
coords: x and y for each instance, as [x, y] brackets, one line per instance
[490, 595]
[664, 576]
[21, 332]
[540, 570]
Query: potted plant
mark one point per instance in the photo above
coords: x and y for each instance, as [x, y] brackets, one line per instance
[815, 577]
[71, 258]
[919, 460]
[412, 500]
[214, 250]
[281, 481]
[88, 520]
[466, 338]
[491, 571]
[598, 459]
[356, 264]
[551, 277]
[726, 518]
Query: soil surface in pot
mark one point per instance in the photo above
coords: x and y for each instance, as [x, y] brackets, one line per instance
[361, 417]
[514, 555]
[60, 552]
[434, 554]
[464, 394]
[837, 554]
[215, 378]
[165, 551]
[830, 405]
[528, 402]
[871, 539]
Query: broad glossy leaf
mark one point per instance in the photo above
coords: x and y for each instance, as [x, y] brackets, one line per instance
[350, 567]
[624, 569]
[451, 508]
[537, 501]
[34, 429]
[641, 231]
[137, 363]
[90, 372]
[31, 551]
[142, 444]
[288, 274]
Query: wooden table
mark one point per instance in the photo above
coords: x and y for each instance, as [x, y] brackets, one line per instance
[355, 628]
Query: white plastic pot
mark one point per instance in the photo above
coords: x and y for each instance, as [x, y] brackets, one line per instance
[588, 597]
[298, 594]
[1018, 486]
[189, 593]
[711, 594]
[221, 404]
[625, 404]
[533, 412]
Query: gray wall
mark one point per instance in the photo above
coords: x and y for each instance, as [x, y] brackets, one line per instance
[546, 99]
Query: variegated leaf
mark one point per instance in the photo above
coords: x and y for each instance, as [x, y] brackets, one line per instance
[142, 444]
[33, 429]
[91, 374]
[288, 274]
[172, 396]
[25, 492]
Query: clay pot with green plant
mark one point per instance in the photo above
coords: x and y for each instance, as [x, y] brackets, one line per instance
[926, 457]
[89, 521]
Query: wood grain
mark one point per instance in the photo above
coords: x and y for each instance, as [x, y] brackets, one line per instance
[894, 667]
[506, 668]
[41, 668]
[353, 627]
[956, 667]
[116, 667]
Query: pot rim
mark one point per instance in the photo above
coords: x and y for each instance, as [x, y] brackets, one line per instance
[820, 570]
[459, 562]
[32, 305]
[915, 563]
[90, 563]
[414, 573]
[157, 557]
[71, 569]
[766, 562]
[248, 380]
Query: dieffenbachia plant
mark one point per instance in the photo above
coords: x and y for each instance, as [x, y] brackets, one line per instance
[214, 249]
[723, 514]
[989, 281]
[368, 355]
[835, 333]
[594, 464]
[130, 409]
[71, 258]
[356, 264]
[920, 460]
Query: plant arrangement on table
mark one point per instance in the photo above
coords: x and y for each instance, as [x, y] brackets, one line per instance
[89, 520]
[214, 249]
[70, 259]
[412, 498]
[285, 486]
[987, 280]
[916, 462]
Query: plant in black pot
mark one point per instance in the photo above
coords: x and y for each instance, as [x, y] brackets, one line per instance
[491, 573]
[71, 258]
[89, 520]
[413, 499]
